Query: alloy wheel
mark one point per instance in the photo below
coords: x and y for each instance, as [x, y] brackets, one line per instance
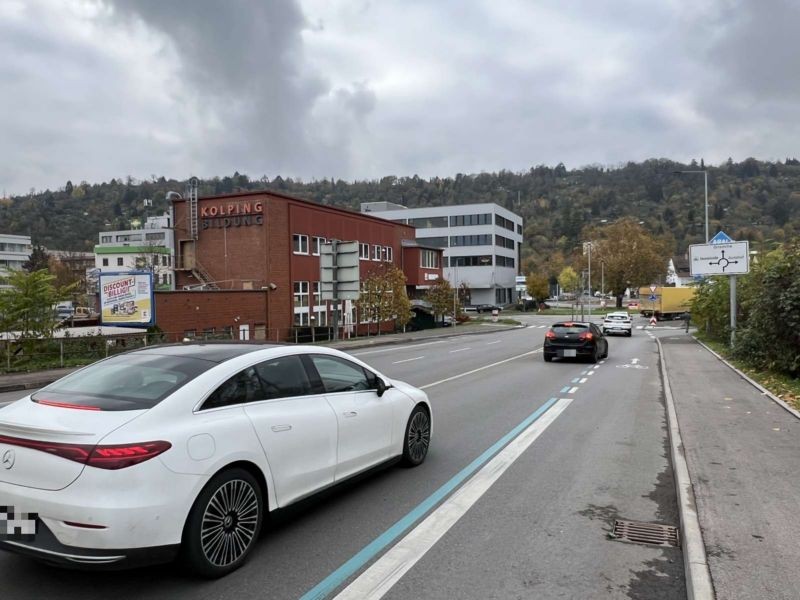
[419, 436]
[229, 522]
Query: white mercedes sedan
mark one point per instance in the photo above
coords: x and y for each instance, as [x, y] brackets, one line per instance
[180, 450]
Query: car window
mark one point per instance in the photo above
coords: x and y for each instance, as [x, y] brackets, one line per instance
[596, 330]
[565, 328]
[243, 387]
[340, 375]
[283, 377]
[124, 382]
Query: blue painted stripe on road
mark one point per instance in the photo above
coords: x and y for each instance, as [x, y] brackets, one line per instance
[368, 552]
[565, 389]
[576, 380]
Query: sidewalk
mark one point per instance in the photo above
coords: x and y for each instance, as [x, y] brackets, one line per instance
[25, 381]
[743, 454]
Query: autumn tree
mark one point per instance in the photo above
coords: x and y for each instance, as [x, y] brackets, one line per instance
[538, 286]
[440, 295]
[568, 280]
[400, 303]
[632, 256]
[383, 297]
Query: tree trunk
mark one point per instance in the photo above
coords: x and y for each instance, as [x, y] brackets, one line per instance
[619, 301]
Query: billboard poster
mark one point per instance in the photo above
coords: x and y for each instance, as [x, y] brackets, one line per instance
[126, 298]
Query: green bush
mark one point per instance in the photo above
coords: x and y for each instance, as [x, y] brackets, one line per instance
[769, 336]
[711, 308]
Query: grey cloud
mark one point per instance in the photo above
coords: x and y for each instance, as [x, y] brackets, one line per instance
[245, 61]
[759, 53]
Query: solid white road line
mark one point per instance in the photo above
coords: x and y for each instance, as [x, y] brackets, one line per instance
[387, 570]
[494, 342]
[483, 368]
[396, 348]
[460, 350]
[397, 362]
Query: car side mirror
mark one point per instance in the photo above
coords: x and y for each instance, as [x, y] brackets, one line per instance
[380, 387]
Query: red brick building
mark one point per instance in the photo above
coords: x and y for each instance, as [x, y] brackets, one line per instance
[259, 252]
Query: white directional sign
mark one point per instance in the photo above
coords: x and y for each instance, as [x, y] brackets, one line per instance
[720, 259]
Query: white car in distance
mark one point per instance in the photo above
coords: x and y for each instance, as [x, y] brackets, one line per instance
[618, 322]
[180, 450]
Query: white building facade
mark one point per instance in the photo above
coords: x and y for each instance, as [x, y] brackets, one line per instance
[482, 244]
[14, 251]
[151, 248]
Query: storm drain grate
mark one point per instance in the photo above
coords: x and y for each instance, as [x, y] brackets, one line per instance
[652, 534]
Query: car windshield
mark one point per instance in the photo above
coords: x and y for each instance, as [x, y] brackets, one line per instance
[617, 318]
[125, 382]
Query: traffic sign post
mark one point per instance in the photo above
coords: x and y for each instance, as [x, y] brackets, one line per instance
[339, 277]
[732, 258]
[722, 256]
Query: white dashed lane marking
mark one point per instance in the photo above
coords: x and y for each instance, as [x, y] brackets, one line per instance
[397, 362]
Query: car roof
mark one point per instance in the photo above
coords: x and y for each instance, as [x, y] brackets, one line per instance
[570, 324]
[211, 351]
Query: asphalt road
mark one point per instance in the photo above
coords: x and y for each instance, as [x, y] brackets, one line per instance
[539, 529]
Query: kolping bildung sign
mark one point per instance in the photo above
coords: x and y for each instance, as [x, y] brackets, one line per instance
[126, 298]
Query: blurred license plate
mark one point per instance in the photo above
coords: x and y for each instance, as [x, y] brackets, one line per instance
[569, 353]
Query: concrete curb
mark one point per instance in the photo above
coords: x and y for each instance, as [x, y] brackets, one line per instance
[764, 391]
[698, 575]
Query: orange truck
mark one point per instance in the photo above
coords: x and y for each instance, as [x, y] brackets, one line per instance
[669, 303]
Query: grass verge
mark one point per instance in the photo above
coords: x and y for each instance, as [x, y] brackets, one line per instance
[784, 387]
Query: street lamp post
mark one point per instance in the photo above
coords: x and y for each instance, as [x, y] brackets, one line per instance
[705, 178]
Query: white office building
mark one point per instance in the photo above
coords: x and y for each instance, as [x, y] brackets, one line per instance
[151, 248]
[482, 244]
[14, 251]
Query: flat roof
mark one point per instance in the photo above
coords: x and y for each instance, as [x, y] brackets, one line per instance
[347, 211]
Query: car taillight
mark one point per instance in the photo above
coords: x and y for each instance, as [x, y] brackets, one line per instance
[586, 336]
[125, 455]
[117, 456]
[65, 405]
[550, 335]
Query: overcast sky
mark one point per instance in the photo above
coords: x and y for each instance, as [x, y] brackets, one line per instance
[361, 89]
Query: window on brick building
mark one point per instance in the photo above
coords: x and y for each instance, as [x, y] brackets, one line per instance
[363, 251]
[376, 253]
[119, 261]
[389, 254]
[105, 262]
[429, 259]
[300, 243]
[301, 303]
[317, 245]
[320, 307]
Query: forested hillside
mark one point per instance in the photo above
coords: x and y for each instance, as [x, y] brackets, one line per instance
[754, 200]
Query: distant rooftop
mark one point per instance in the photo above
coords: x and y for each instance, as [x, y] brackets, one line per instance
[380, 206]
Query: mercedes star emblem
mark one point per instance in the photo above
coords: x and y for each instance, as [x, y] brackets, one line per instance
[8, 459]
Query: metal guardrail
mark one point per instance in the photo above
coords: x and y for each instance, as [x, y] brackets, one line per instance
[35, 354]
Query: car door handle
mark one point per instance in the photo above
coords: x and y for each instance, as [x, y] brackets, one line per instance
[349, 413]
[279, 428]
